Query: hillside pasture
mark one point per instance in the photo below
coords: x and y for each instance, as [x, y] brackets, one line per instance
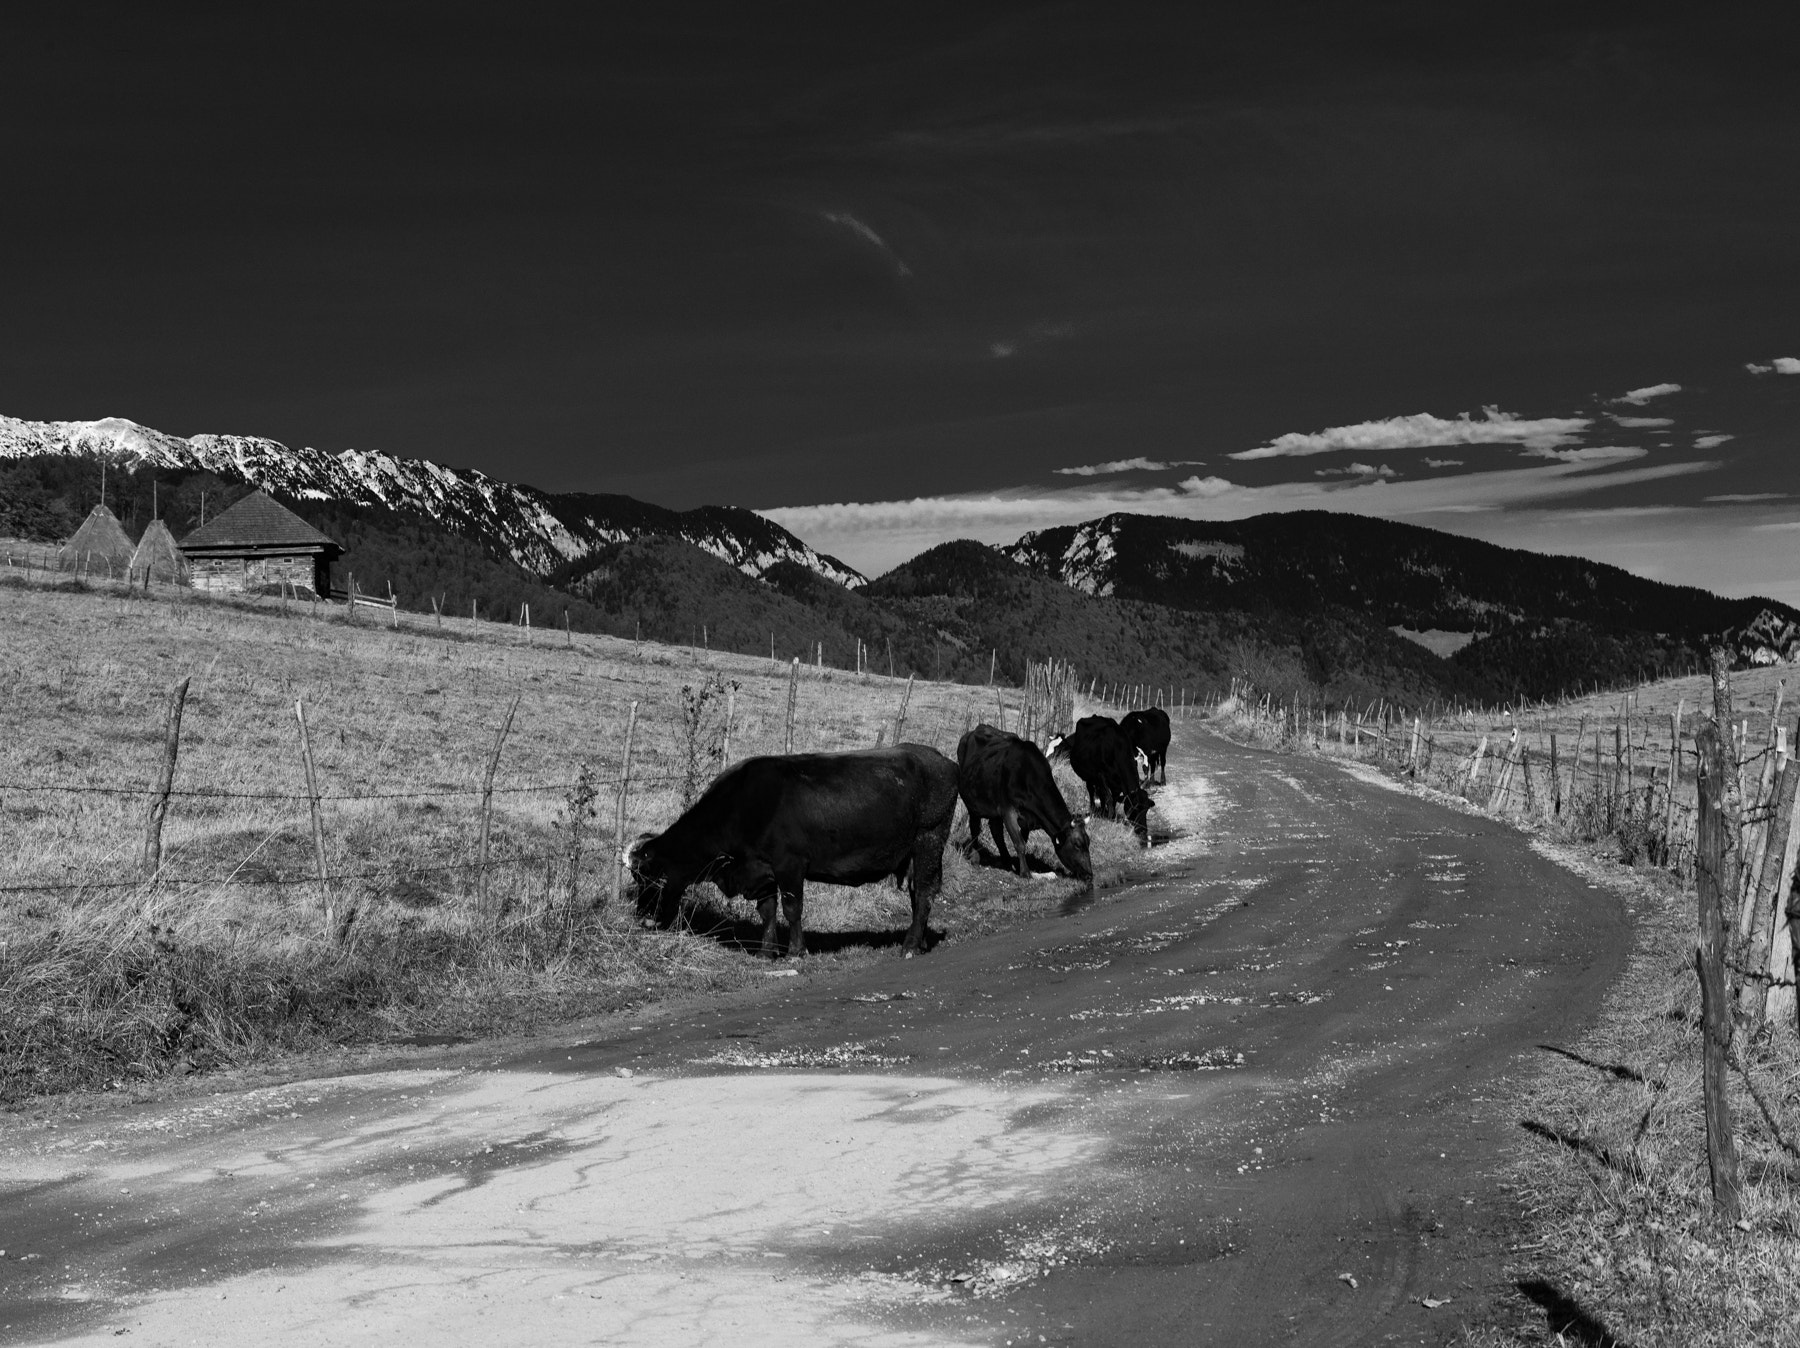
[107, 978]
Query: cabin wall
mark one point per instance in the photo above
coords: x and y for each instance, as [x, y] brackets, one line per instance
[236, 575]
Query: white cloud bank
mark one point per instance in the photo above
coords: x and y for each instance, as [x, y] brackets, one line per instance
[1639, 396]
[1780, 365]
[875, 536]
[1139, 464]
[1424, 431]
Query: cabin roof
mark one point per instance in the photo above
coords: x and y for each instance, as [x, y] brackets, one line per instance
[257, 522]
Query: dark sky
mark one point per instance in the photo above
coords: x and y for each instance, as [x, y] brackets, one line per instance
[786, 256]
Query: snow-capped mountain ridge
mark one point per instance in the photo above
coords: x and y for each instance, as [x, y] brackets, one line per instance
[538, 530]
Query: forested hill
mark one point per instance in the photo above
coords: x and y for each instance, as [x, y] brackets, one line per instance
[1535, 625]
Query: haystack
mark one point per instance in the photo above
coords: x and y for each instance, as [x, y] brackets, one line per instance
[100, 546]
[157, 554]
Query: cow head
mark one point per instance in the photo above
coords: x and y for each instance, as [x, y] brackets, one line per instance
[1135, 806]
[650, 877]
[1143, 766]
[1057, 744]
[1072, 849]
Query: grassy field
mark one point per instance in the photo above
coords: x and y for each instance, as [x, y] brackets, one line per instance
[1621, 1245]
[106, 979]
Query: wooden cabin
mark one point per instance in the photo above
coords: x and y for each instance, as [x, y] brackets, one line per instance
[258, 544]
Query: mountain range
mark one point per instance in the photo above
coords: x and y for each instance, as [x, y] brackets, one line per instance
[538, 530]
[1307, 605]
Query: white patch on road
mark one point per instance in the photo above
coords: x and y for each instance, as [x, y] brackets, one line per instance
[1188, 807]
[601, 1209]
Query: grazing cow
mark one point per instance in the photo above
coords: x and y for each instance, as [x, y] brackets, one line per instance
[1106, 760]
[1149, 730]
[1007, 781]
[768, 825]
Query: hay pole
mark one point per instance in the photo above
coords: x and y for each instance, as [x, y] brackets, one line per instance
[159, 807]
[1712, 884]
[618, 886]
[312, 799]
[487, 803]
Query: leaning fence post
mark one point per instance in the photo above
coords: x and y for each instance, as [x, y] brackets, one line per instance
[906, 697]
[787, 739]
[619, 817]
[487, 804]
[1712, 885]
[159, 807]
[318, 826]
[730, 716]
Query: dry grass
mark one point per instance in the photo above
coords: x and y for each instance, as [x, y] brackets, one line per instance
[105, 978]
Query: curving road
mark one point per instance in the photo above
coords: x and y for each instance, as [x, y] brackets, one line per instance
[1255, 1104]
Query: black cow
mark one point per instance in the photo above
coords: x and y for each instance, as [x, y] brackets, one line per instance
[1104, 757]
[1007, 781]
[768, 825]
[1149, 730]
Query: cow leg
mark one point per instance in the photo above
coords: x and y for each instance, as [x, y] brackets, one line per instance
[1017, 835]
[927, 879]
[763, 888]
[998, 829]
[793, 905]
[765, 909]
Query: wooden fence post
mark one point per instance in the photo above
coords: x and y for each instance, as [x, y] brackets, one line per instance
[1555, 780]
[1769, 891]
[900, 720]
[487, 805]
[1475, 764]
[787, 739]
[730, 716]
[1712, 876]
[159, 807]
[318, 826]
[619, 816]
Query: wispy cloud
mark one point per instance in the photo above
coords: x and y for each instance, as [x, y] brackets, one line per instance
[1356, 470]
[1003, 347]
[1750, 496]
[1639, 396]
[867, 235]
[1424, 431]
[1780, 365]
[1443, 463]
[1639, 423]
[1589, 453]
[1712, 440]
[1139, 464]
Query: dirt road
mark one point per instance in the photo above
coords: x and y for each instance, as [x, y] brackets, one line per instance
[1255, 1104]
